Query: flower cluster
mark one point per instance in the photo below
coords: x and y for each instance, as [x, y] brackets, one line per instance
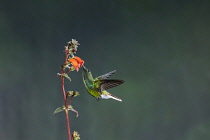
[72, 46]
[76, 136]
[75, 61]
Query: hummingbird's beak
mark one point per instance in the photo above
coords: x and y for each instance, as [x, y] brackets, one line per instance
[84, 68]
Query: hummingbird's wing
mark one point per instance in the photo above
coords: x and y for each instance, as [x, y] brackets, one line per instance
[105, 76]
[106, 84]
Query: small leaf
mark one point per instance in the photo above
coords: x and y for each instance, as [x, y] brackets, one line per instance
[59, 109]
[64, 75]
[65, 65]
[72, 109]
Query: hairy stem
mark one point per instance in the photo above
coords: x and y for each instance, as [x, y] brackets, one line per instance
[68, 124]
[66, 106]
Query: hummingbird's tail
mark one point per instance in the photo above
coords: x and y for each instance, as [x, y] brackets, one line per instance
[115, 98]
[106, 95]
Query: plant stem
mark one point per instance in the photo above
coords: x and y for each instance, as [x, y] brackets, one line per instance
[66, 106]
[68, 124]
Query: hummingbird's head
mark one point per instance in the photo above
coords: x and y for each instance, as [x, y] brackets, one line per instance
[87, 76]
[85, 72]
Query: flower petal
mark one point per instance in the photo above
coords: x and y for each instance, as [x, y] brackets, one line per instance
[74, 63]
[79, 60]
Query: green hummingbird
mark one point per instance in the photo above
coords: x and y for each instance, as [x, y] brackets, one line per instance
[97, 87]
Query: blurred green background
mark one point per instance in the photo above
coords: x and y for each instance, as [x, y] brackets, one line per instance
[160, 48]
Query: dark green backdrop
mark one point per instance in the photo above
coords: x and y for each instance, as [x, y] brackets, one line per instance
[159, 47]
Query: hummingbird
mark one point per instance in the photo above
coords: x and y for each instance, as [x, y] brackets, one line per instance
[97, 87]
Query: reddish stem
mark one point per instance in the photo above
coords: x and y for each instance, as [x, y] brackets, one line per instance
[68, 124]
[65, 101]
[69, 102]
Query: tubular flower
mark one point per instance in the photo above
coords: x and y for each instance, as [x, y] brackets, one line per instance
[79, 60]
[76, 62]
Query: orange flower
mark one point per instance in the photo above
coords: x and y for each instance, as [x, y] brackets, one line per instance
[79, 60]
[76, 62]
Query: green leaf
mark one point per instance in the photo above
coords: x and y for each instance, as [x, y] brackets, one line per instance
[64, 75]
[59, 109]
[72, 109]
